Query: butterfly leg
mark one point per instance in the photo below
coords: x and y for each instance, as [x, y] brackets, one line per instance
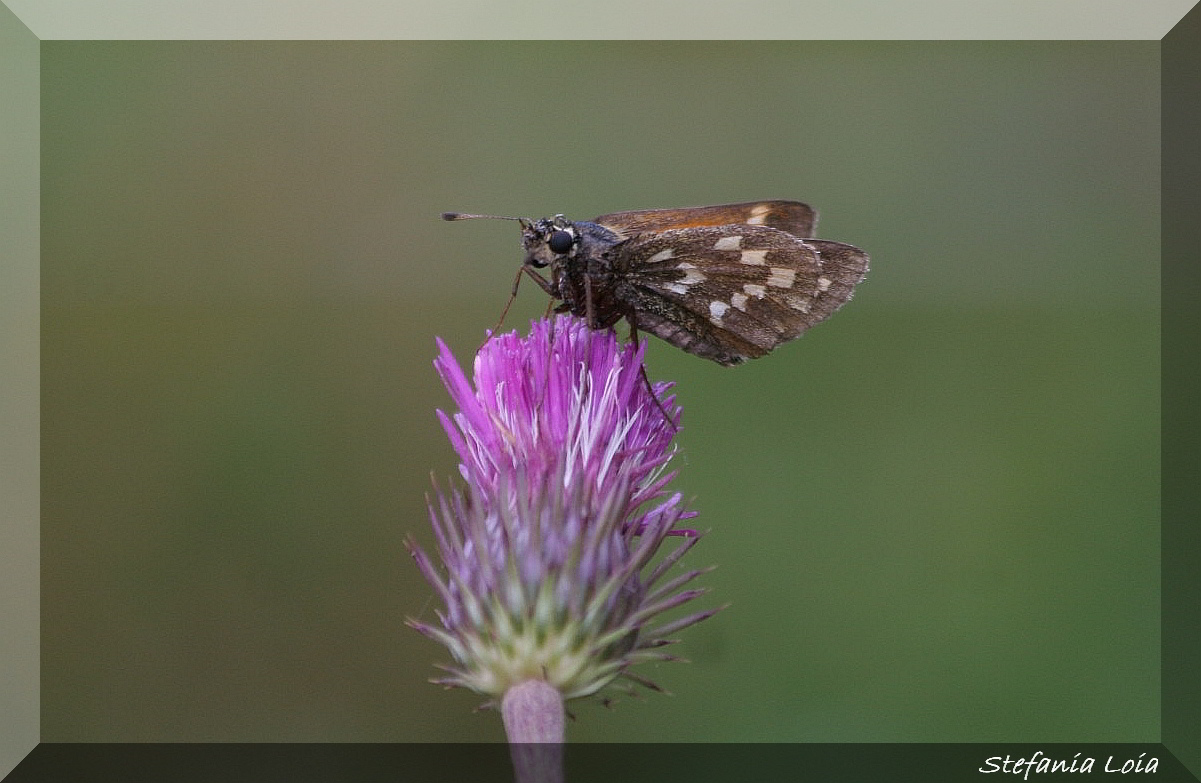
[647, 381]
[512, 297]
[588, 312]
[550, 342]
[542, 282]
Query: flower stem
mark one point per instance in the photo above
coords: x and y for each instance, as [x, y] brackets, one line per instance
[535, 723]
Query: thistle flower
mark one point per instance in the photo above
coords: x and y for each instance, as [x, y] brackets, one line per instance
[547, 549]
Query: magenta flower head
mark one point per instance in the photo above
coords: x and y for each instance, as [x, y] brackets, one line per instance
[547, 550]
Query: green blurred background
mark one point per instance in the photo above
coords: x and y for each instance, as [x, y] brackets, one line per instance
[936, 516]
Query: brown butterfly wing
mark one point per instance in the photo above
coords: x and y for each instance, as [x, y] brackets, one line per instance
[792, 217]
[735, 292]
[844, 266]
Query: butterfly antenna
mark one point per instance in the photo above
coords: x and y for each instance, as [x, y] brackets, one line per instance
[465, 216]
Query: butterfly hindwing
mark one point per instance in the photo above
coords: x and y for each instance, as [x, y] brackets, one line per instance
[844, 266]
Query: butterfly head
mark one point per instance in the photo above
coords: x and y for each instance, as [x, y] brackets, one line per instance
[545, 241]
[549, 240]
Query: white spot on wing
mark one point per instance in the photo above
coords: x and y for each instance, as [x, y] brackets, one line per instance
[758, 215]
[717, 310]
[662, 255]
[692, 275]
[824, 283]
[739, 301]
[676, 288]
[756, 291]
[782, 278]
[728, 243]
[754, 257]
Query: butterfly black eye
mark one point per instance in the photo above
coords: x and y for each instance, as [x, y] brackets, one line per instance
[559, 241]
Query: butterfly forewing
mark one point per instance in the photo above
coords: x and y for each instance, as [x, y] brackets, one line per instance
[735, 292]
[792, 217]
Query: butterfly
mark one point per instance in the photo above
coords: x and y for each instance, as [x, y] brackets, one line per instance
[727, 283]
